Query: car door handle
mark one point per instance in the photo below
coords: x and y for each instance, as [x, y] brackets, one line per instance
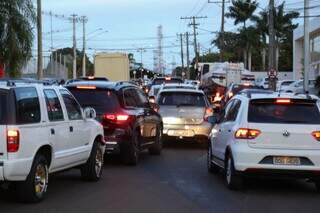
[52, 131]
[71, 128]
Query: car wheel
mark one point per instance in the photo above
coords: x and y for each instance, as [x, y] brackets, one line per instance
[212, 167]
[234, 181]
[130, 151]
[92, 169]
[156, 148]
[34, 188]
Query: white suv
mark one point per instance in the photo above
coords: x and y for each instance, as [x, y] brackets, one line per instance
[267, 134]
[44, 130]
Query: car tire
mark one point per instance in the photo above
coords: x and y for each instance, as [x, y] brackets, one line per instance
[34, 188]
[212, 167]
[233, 180]
[130, 151]
[156, 148]
[92, 169]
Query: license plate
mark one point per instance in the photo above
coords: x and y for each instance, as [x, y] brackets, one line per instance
[295, 161]
[181, 133]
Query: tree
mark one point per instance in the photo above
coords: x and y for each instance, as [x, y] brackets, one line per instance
[242, 11]
[17, 18]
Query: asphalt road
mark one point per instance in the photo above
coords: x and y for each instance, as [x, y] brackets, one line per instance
[176, 181]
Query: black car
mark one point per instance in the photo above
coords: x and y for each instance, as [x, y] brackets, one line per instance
[131, 123]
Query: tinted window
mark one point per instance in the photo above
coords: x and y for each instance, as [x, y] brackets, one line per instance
[3, 106]
[205, 69]
[27, 106]
[182, 99]
[297, 112]
[54, 109]
[129, 96]
[142, 100]
[101, 100]
[72, 106]
[232, 113]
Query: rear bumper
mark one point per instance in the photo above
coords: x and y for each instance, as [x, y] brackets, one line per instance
[249, 160]
[15, 170]
[187, 131]
[114, 141]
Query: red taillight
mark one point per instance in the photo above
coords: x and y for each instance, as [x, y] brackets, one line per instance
[12, 140]
[316, 135]
[208, 113]
[244, 133]
[116, 117]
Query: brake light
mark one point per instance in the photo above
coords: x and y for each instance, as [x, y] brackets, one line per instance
[167, 78]
[244, 133]
[316, 135]
[283, 101]
[13, 140]
[116, 117]
[208, 113]
[86, 87]
[90, 77]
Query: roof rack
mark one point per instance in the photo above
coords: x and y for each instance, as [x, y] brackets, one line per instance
[13, 82]
[250, 92]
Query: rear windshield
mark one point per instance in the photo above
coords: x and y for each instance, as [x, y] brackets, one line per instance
[3, 106]
[296, 112]
[159, 81]
[182, 99]
[101, 100]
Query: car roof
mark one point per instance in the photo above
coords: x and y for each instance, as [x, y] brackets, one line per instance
[178, 85]
[182, 90]
[16, 83]
[274, 95]
[101, 84]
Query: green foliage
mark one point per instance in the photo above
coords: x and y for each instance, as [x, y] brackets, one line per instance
[17, 18]
[241, 11]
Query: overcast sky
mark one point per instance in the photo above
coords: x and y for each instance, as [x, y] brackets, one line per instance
[133, 24]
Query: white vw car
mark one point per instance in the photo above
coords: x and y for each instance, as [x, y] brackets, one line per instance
[267, 134]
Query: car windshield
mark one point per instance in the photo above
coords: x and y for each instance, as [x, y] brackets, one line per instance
[3, 108]
[101, 100]
[160, 81]
[295, 112]
[181, 99]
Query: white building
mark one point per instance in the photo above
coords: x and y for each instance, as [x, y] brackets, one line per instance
[298, 50]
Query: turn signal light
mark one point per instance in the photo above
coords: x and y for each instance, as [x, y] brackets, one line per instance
[13, 142]
[208, 113]
[244, 133]
[316, 135]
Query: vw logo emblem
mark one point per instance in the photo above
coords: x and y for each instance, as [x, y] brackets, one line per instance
[286, 133]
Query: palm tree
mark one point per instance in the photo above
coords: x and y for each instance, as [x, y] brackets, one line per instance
[17, 18]
[242, 11]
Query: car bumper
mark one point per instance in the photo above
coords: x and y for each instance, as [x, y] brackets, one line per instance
[15, 170]
[252, 160]
[114, 141]
[187, 131]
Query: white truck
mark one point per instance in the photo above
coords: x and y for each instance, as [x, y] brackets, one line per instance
[113, 66]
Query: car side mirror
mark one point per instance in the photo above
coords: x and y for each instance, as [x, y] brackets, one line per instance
[155, 106]
[89, 113]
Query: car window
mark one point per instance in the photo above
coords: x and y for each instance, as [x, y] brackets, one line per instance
[72, 106]
[129, 96]
[182, 99]
[3, 106]
[54, 109]
[142, 100]
[233, 111]
[27, 106]
[297, 112]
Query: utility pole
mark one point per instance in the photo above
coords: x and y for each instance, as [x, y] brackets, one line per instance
[74, 69]
[84, 21]
[194, 25]
[188, 56]
[141, 50]
[306, 47]
[272, 49]
[182, 55]
[223, 2]
[39, 29]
